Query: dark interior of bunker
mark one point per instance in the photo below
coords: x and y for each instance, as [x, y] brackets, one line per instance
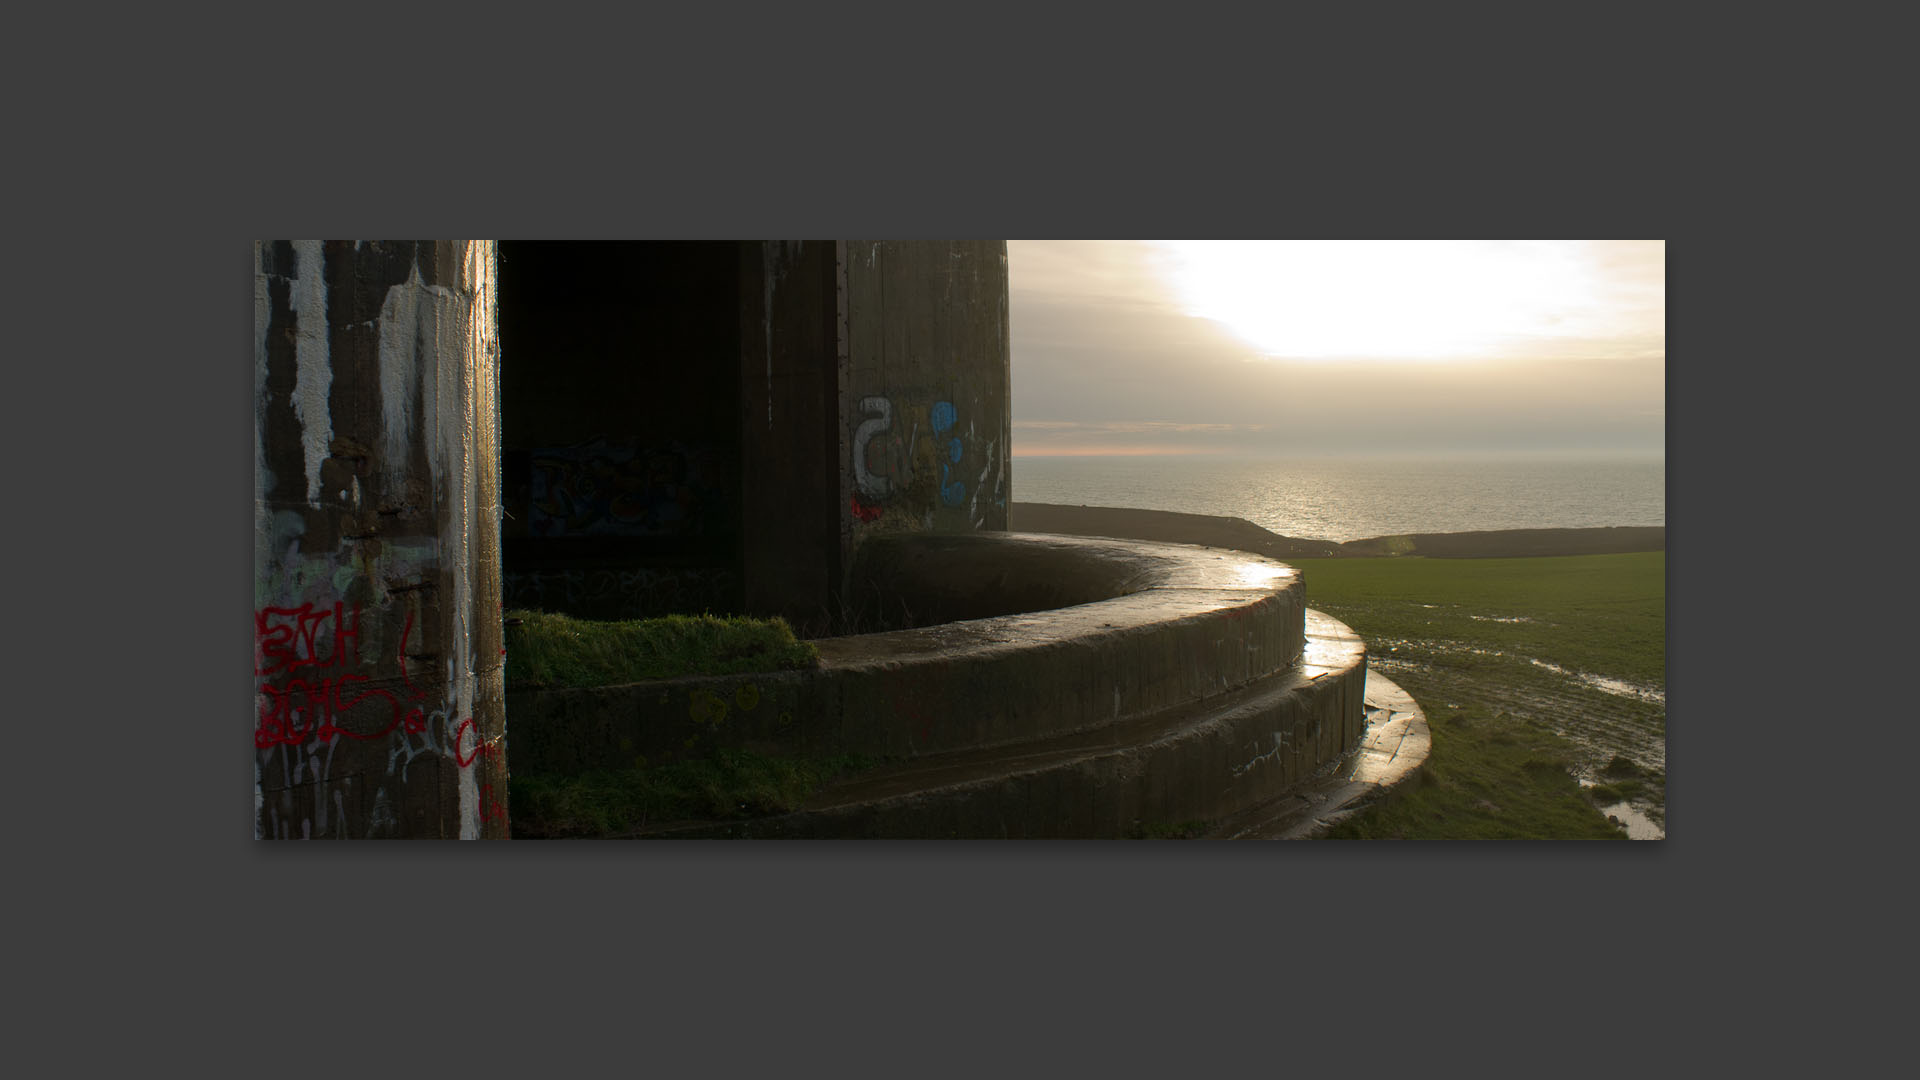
[620, 427]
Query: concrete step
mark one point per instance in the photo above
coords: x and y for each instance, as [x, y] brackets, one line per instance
[1224, 757]
[1185, 624]
[1396, 744]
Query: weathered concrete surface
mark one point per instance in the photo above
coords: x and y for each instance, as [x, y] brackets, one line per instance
[1188, 624]
[876, 398]
[378, 680]
[902, 581]
[926, 398]
[1209, 759]
[1396, 744]
[793, 541]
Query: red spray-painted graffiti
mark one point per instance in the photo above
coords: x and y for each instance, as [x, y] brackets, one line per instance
[468, 735]
[312, 694]
[317, 702]
[284, 638]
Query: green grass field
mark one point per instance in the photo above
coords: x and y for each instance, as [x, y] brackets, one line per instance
[1532, 672]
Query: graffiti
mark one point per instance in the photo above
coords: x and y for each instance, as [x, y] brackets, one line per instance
[944, 417]
[291, 712]
[285, 638]
[494, 751]
[870, 485]
[885, 464]
[608, 489]
[706, 707]
[1279, 744]
[313, 695]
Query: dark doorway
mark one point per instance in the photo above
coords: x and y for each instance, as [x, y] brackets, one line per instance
[620, 414]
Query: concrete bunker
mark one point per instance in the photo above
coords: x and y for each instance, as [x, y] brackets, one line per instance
[816, 430]
[719, 426]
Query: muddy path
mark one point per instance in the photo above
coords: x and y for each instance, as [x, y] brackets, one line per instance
[1602, 719]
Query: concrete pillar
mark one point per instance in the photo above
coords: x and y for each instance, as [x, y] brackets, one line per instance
[377, 639]
[877, 396]
[926, 401]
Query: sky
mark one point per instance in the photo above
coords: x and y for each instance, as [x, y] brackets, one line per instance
[1338, 348]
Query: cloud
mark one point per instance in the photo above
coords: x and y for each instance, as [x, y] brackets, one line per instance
[1105, 356]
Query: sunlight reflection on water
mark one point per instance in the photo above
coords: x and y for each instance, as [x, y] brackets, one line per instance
[1348, 499]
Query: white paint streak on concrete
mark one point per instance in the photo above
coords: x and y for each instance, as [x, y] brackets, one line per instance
[974, 510]
[399, 375]
[455, 340]
[313, 375]
[262, 476]
[873, 487]
[262, 312]
[1279, 743]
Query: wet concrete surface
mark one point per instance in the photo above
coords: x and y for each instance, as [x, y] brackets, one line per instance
[1203, 758]
[1397, 743]
[1202, 689]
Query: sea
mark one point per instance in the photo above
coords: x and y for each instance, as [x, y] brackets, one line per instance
[1344, 499]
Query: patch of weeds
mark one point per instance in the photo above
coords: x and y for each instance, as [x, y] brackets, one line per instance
[1622, 765]
[545, 649]
[1621, 791]
[725, 784]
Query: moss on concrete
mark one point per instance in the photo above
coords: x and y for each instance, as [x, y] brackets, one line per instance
[725, 784]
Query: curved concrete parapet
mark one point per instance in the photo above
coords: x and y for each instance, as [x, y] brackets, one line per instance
[1210, 759]
[1198, 686]
[1191, 623]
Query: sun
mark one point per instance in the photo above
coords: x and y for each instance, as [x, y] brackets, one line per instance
[1383, 299]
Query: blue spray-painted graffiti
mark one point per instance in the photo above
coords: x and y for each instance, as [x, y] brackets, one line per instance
[892, 443]
[622, 489]
[944, 417]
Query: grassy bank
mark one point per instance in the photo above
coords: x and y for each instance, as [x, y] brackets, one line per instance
[544, 649]
[1532, 672]
[549, 650]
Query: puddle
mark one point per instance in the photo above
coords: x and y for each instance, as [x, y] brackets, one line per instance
[1611, 686]
[1639, 825]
